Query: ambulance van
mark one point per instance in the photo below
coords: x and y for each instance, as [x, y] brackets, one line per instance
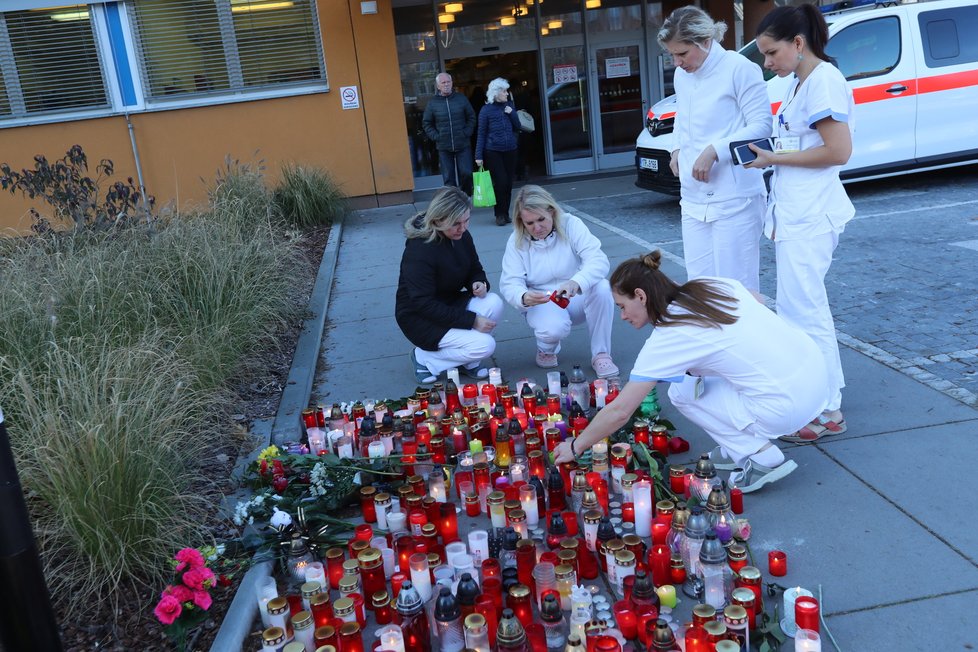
[913, 71]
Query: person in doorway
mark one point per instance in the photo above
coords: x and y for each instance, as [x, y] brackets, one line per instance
[735, 369]
[721, 98]
[443, 303]
[496, 144]
[808, 207]
[449, 121]
[553, 254]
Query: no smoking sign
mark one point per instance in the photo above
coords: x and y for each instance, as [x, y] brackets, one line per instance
[350, 97]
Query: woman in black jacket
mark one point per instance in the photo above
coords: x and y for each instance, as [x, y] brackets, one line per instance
[444, 306]
[496, 144]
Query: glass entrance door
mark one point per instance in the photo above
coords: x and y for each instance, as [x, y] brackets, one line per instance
[568, 104]
[620, 101]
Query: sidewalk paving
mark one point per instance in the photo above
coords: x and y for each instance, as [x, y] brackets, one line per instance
[880, 517]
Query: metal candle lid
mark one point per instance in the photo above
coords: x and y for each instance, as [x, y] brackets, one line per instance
[705, 468]
[510, 631]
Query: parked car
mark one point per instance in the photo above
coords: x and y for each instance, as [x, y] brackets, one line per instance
[913, 70]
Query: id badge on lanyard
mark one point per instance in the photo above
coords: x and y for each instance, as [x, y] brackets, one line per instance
[784, 143]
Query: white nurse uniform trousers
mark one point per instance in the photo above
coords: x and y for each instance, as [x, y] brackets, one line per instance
[728, 247]
[462, 347]
[551, 323]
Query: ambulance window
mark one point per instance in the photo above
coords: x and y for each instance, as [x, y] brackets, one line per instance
[867, 49]
[942, 30]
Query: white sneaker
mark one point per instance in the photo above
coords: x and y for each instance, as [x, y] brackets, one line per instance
[753, 476]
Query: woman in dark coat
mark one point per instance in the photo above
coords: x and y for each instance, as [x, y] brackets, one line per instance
[496, 144]
[444, 306]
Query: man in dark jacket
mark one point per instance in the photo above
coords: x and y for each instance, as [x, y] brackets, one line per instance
[449, 121]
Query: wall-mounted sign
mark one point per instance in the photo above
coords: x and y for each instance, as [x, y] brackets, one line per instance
[349, 97]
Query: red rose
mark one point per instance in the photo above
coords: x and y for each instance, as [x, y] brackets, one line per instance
[223, 580]
[199, 578]
[263, 468]
[277, 468]
[202, 599]
[168, 609]
[280, 483]
[189, 557]
[180, 592]
[678, 445]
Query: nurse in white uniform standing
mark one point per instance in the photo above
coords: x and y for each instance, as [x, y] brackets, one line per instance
[720, 98]
[808, 208]
[736, 369]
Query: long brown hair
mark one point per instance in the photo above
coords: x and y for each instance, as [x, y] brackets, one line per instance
[706, 304]
[787, 22]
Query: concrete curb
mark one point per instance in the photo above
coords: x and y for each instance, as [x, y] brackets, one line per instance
[295, 396]
[240, 616]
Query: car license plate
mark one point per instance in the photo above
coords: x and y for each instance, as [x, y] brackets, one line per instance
[649, 164]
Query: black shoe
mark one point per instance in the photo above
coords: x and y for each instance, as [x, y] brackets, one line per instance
[501, 220]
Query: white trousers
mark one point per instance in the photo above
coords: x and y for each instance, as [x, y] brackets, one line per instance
[461, 347]
[728, 247]
[740, 426]
[803, 302]
[551, 323]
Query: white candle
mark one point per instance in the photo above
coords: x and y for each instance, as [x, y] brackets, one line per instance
[316, 573]
[382, 513]
[483, 402]
[420, 575]
[452, 375]
[397, 522]
[391, 638]
[553, 382]
[528, 501]
[479, 545]
[344, 447]
[600, 392]
[265, 591]
[376, 449]
[379, 543]
[317, 440]
[496, 376]
[390, 561]
[807, 640]
[332, 437]
[436, 488]
[642, 495]
[517, 473]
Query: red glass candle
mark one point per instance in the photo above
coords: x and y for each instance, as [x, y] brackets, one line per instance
[626, 619]
[351, 638]
[697, 640]
[432, 509]
[491, 568]
[482, 477]
[489, 390]
[536, 464]
[485, 606]
[295, 603]
[509, 403]
[645, 614]
[626, 589]
[660, 440]
[628, 512]
[613, 391]
[404, 547]
[326, 635]
[526, 558]
[806, 613]
[321, 609]
[600, 487]
[677, 571]
[660, 557]
[460, 478]
[417, 519]
[397, 580]
[439, 453]
[744, 597]
[518, 599]
[367, 506]
[372, 572]
[578, 425]
[309, 419]
[381, 605]
[777, 563]
[660, 530]
[460, 437]
[448, 522]
[640, 431]
[530, 404]
[737, 500]
[676, 481]
[551, 437]
[493, 587]
[570, 520]
[334, 566]
[750, 578]
[359, 609]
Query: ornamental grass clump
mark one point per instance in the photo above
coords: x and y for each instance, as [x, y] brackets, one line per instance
[116, 352]
[308, 197]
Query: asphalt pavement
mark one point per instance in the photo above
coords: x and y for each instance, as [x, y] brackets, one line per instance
[880, 517]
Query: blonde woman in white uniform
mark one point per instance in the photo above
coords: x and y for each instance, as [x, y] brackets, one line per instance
[721, 98]
[736, 369]
[553, 251]
[808, 208]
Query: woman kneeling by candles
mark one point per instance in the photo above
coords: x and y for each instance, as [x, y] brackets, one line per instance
[736, 369]
[444, 306]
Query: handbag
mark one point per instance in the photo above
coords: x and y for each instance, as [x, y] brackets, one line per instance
[527, 123]
[483, 195]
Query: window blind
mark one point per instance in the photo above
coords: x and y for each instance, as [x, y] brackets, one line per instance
[213, 47]
[50, 62]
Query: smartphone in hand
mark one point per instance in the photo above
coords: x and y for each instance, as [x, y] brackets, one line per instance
[741, 153]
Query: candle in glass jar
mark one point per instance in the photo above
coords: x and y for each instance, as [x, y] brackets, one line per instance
[396, 521]
[660, 530]
[600, 395]
[495, 376]
[421, 575]
[790, 596]
[642, 497]
[807, 640]
[777, 563]
[528, 501]
[667, 595]
[806, 613]
[625, 617]
[479, 545]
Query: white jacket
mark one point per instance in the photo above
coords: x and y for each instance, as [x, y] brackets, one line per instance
[542, 265]
[724, 101]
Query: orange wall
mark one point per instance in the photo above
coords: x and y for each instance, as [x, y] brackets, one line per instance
[364, 149]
